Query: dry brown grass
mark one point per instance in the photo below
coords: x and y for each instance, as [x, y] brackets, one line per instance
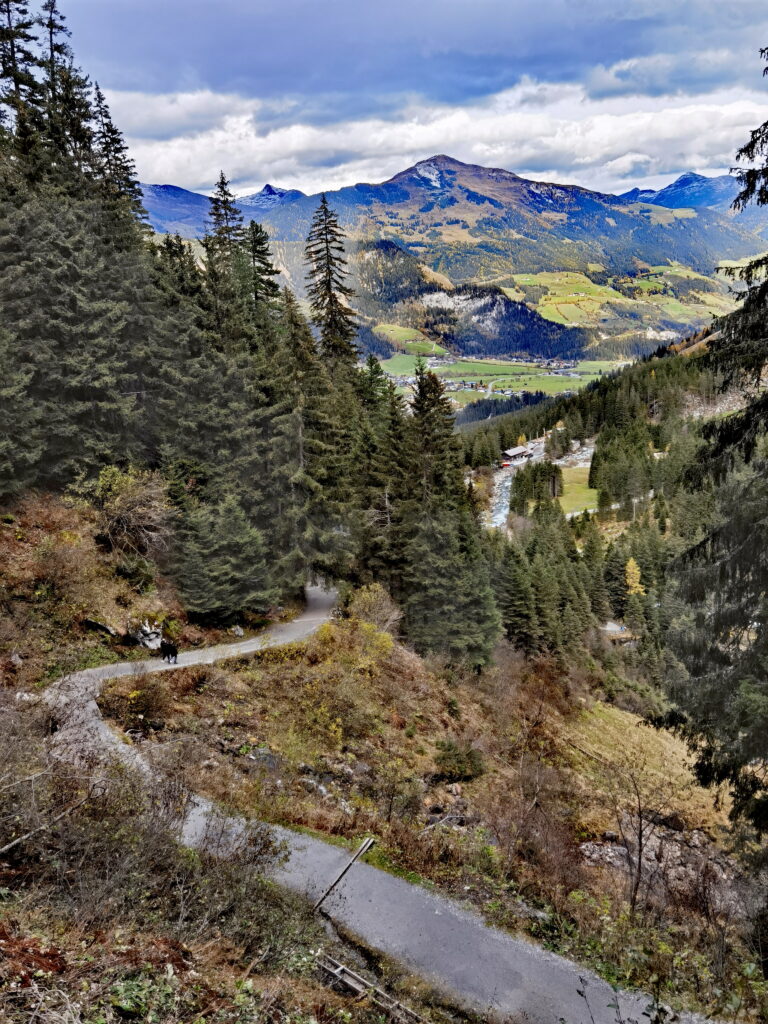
[602, 738]
[54, 577]
[342, 734]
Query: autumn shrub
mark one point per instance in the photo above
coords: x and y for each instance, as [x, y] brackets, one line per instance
[196, 678]
[457, 762]
[139, 702]
[374, 605]
[136, 515]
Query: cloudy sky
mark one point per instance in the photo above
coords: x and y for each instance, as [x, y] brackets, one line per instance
[316, 94]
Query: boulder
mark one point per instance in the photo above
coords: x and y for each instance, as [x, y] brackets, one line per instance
[264, 757]
[145, 635]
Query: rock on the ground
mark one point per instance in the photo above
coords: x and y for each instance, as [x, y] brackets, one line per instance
[145, 635]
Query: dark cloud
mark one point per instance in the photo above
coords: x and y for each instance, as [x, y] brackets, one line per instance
[320, 94]
[344, 58]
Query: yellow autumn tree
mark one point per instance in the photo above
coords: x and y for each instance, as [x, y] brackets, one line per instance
[632, 578]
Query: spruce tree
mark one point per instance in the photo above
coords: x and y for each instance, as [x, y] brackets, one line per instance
[546, 595]
[306, 519]
[56, 56]
[516, 601]
[20, 94]
[435, 467]
[262, 272]
[385, 483]
[222, 567]
[594, 560]
[615, 578]
[238, 569]
[327, 287]
[71, 127]
[477, 623]
[226, 222]
[433, 586]
[116, 170]
[372, 389]
[227, 300]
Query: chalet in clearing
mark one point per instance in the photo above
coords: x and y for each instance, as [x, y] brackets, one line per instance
[518, 455]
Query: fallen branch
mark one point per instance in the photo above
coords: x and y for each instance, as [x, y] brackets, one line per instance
[46, 825]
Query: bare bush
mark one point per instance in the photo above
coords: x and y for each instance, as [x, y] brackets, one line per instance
[373, 604]
[136, 515]
[100, 847]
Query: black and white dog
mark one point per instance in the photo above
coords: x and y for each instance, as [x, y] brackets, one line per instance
[169, 652]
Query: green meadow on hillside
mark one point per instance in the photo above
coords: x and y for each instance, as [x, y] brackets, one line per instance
[409, 340]
[664, 292]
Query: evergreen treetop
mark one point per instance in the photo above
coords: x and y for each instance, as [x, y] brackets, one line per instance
[226, 222]
[327, 287]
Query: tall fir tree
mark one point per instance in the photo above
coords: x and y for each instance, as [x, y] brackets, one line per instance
[116, 170]
[262, 271]
[21, 95]
[327, 287]
[227, 301]
[306, 520]
[516, 601]
[222, 567]
[594, 560]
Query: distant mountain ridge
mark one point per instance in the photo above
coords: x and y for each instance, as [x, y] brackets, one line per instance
[442, 188]
[690, 190]
[485, 225]
[457, 224]
[174, 210]
[697, 191]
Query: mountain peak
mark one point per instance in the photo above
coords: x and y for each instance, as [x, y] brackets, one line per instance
[270, 195]
[689, 178]
[438, 171]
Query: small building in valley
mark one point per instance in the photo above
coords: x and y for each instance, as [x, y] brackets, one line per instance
[518, 454]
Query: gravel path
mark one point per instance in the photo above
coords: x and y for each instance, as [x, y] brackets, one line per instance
[483, 968]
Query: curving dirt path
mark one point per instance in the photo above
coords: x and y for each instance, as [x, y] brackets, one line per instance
[482, 968]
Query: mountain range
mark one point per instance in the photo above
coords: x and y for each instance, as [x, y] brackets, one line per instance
[463, 224]
[443, 203]
[690, 190]
[174, 210]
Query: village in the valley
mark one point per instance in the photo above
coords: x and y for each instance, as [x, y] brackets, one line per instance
[484, 386]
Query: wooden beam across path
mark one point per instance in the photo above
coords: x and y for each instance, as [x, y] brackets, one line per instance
[364, 848]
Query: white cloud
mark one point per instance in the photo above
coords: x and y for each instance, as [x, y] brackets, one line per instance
[537, 129]
[664, 74]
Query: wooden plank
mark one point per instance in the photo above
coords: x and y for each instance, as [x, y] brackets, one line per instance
[364, 848]
[359, 987]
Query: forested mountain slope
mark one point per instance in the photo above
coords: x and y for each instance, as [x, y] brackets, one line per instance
[622, 272]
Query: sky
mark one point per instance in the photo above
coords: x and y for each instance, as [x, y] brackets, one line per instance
[318, 94]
